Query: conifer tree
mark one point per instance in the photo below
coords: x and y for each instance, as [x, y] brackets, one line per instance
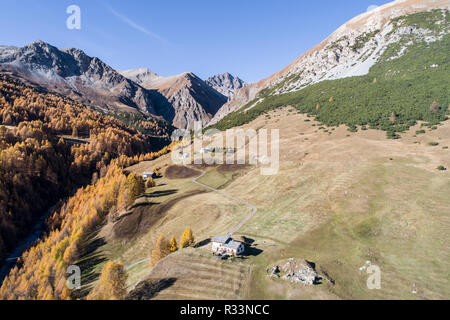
[150, 183]
[187, 239]
[75, 131]
[112, 283]
[161, 250]
[136, 186]
[173, 245]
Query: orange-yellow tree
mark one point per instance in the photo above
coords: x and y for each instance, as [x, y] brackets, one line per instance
[161, 250]
[136, 186]
[187, 239]
[112, 284]
[150, 183]
[173, 245]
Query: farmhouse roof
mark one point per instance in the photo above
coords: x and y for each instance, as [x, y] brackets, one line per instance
[221, 239]
[234, 245]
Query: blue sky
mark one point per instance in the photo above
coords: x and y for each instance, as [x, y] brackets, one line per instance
[249, 38]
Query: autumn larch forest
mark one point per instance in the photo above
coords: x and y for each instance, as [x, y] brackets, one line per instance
[41, 165]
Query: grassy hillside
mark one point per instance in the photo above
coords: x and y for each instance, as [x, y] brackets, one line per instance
[395, 94]
[338, 205]
[332, 203]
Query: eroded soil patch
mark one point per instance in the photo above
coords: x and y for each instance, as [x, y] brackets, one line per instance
[181, 172]
[145, 217]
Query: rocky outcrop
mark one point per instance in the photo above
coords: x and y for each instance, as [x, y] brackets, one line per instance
[226, 84]
[297, 271]
[350, 51]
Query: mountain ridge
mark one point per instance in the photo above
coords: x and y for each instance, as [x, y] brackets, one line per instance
[72, 72]
[186, 97]
[181, 99]
[406, 81]
[319, 62]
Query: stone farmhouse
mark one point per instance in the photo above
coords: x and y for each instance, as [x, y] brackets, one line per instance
[225, 245]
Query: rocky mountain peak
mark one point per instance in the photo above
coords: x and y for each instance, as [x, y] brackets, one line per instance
[226, 84]
[141, 76]
[183, 98]
[39, 44]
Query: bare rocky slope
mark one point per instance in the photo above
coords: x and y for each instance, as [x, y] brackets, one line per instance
[226, 84]
[350, 51]
[182, 99]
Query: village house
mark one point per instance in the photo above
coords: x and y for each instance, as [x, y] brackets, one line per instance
[205, 150]
[148, 175]
[225, 245]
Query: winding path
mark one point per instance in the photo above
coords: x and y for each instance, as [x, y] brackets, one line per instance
[253, 208]
[131, 266]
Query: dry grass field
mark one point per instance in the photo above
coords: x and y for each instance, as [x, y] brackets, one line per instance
[340, 199]
[198, 275]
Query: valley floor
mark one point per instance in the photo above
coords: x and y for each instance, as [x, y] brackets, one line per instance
[340, 199]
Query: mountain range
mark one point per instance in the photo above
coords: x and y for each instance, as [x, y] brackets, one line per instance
[181, 99]
[352, 50]
[73, 73]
